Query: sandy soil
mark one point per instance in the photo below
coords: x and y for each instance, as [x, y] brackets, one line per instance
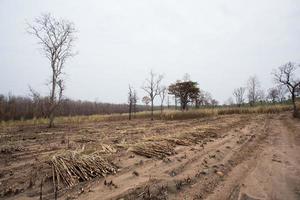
[247, 157]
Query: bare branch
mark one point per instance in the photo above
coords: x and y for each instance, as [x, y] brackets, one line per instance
[152, 88]
[56, 38]
[286, 75]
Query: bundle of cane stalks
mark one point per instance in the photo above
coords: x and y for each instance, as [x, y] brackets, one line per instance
[70, 168]
[153, 149]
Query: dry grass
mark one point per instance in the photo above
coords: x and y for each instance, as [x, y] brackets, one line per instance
[199, 113]
[166, 115]
[255, 110]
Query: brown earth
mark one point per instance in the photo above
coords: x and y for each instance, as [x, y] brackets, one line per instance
[225, 157]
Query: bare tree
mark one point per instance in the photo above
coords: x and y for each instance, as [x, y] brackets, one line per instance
[229, 101]
[134, 101]
[186, 77]
[239, 93]
[36, 100]
[146, 100]
[253, 86]
[152, 88]
[162, 95]
[273, 94]
[214, 102]
[56, 37]
[282, 91]
[286, 75]
[175, 101]
[130, 101]
[35, 106]
[204, 98]
[261, 96]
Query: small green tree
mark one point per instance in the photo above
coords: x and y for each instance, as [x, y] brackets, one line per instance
[185, 91]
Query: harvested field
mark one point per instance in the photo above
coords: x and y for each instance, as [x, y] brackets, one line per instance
[217, 157]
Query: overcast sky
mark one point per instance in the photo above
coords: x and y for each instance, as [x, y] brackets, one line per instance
[220, 43]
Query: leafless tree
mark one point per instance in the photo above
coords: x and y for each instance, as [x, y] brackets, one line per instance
[282, 91]
[162, 94]
[273, 94]
[261, 95]
[35, 106]
[229, 101]
[146, 100]
[214, 102]
[253, 86]
[286, 75]
[186, 77]
[56, 37]
[175, 101]
[204, 99]
[36, 98]
[130, 101]
[152, 88]
[239, 93]
[134, 101]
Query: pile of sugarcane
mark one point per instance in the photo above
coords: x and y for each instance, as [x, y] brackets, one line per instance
[70, 168]
[153, 149]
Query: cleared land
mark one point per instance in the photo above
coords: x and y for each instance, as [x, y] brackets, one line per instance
[252, 156]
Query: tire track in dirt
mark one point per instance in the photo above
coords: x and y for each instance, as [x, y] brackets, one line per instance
[194, 172]
[156, 176]
[208, 183]
[273, 172]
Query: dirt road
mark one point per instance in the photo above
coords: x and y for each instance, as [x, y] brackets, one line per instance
[239, 157]
[273, 172]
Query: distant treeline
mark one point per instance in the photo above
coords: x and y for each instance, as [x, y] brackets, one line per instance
[18, 107]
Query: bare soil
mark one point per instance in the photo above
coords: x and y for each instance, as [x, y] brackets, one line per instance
[235, 157]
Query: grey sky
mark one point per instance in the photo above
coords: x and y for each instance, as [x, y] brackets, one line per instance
[219, 43]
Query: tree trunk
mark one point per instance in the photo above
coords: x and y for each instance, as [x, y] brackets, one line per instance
[134, 110]
[51, 120]
[168, 102]
[52, 99]
[295, 111]
[152, 109]
[182, 106]
[130, 111]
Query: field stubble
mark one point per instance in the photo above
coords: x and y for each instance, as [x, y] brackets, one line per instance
[137, 159]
